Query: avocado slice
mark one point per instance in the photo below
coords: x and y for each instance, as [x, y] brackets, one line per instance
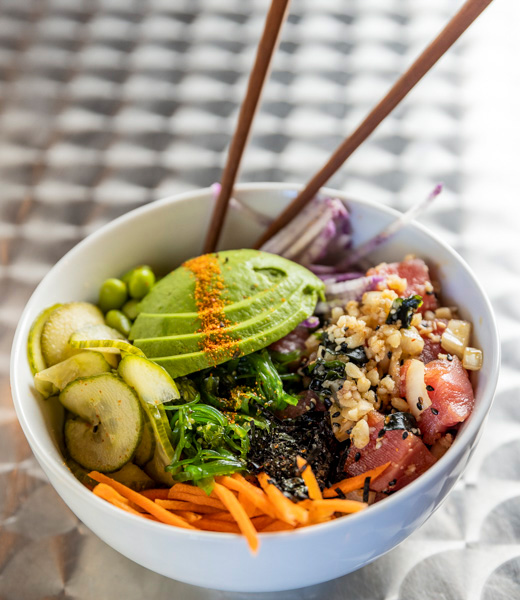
[265, 297]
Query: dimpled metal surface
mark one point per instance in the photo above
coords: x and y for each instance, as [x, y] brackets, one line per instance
[108, 105]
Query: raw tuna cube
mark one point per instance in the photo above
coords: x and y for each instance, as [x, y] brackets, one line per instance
[452, 398]
[417, 275]
[408, 456]
[432, 349]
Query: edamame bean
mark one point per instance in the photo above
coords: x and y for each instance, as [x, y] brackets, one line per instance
[112, 294]
[141, 282]
[130, 309]
[117, 320]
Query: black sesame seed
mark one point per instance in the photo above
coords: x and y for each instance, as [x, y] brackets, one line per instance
[357, 457]
[377, 327]
[366, 489]
[435, 411]
[429, 293]
[389, 354]
[336, 414]
[392, 483]
[327, 402]
[335, 425]
[430, 388]
[401, 362]
[381, 433]
[449, 357]
[419, 405]
[405, 434]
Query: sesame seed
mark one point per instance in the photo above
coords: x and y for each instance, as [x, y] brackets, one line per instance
[405, 434]
[357, 457]
[430, 388]
[435, 411]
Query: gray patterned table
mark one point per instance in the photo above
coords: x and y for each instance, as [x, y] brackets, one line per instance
[109, 104]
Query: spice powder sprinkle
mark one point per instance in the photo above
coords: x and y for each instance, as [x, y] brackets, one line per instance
[209, 285]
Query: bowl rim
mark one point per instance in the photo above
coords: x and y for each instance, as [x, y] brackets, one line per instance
[61, 471]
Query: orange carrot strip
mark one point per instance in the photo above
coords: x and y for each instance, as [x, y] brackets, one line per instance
[154, 509]
[343, 506]
[190, 516]
[191, 506]
[277, 526]
[354, 483]
[249, 507]
[286, 510]
[107, 492]
[262, 522]
[255, 494]
[197, 499]
[187, 489]
[208, 524]
[309, 479]
[222, 516]
[155, 493]
[237, 510]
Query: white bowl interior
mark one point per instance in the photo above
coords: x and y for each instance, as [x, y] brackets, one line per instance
[168, 232]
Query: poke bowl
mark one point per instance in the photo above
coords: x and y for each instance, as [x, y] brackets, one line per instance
[169, 232]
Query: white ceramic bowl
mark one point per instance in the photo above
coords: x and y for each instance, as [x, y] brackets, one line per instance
[164, 234]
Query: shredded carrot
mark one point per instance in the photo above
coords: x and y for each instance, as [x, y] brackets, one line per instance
[187, 489]
[223, 516]
[110, 495]
[197, 499]
[354, 483]
[191, 506]
[208, 524]
[154, 509]
[237, 510]
[261, 522]
[309, 479]
[190, 516]
[155, 493]
[285, 509]
[255, 494]
[250, 508]
[277, 526]
[343, 506]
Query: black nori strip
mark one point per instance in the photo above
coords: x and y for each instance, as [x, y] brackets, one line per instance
[403, 310]
[340, 493]
[400, 420]
[366, 489]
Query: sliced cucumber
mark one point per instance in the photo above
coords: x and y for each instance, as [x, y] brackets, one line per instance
[106, 424]
[61, 324]
[34, 342]
[54, 379]
[80, 473]
[151, 382]
[146, 448]
[153, 386]
[156, 468]
[133, 477]
[102, 339]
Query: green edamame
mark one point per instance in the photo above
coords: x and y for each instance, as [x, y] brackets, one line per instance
[141, 282]
[117, 320]
[112, 294]
[130, 309]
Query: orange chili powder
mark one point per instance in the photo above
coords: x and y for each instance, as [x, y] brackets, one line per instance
[209, 285]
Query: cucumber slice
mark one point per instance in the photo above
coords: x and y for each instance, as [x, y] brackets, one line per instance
[54, 379]
[61, 324]
[80, 473]
[34, 342]
[146, 448]
[133, 477]
[103, 339]
[155, 468]
[151, 382]
[106, 424]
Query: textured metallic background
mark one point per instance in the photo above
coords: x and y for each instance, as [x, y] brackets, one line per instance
[109, 104]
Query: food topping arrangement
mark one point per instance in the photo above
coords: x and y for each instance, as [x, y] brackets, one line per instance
[258, 391]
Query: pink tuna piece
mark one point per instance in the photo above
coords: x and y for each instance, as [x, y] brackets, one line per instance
[408, 456]
[417, 275]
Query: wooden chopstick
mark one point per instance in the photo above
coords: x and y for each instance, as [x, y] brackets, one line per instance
[268, 42]
[448, 36]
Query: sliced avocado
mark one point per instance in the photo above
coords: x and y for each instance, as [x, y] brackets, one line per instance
[265, 297]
